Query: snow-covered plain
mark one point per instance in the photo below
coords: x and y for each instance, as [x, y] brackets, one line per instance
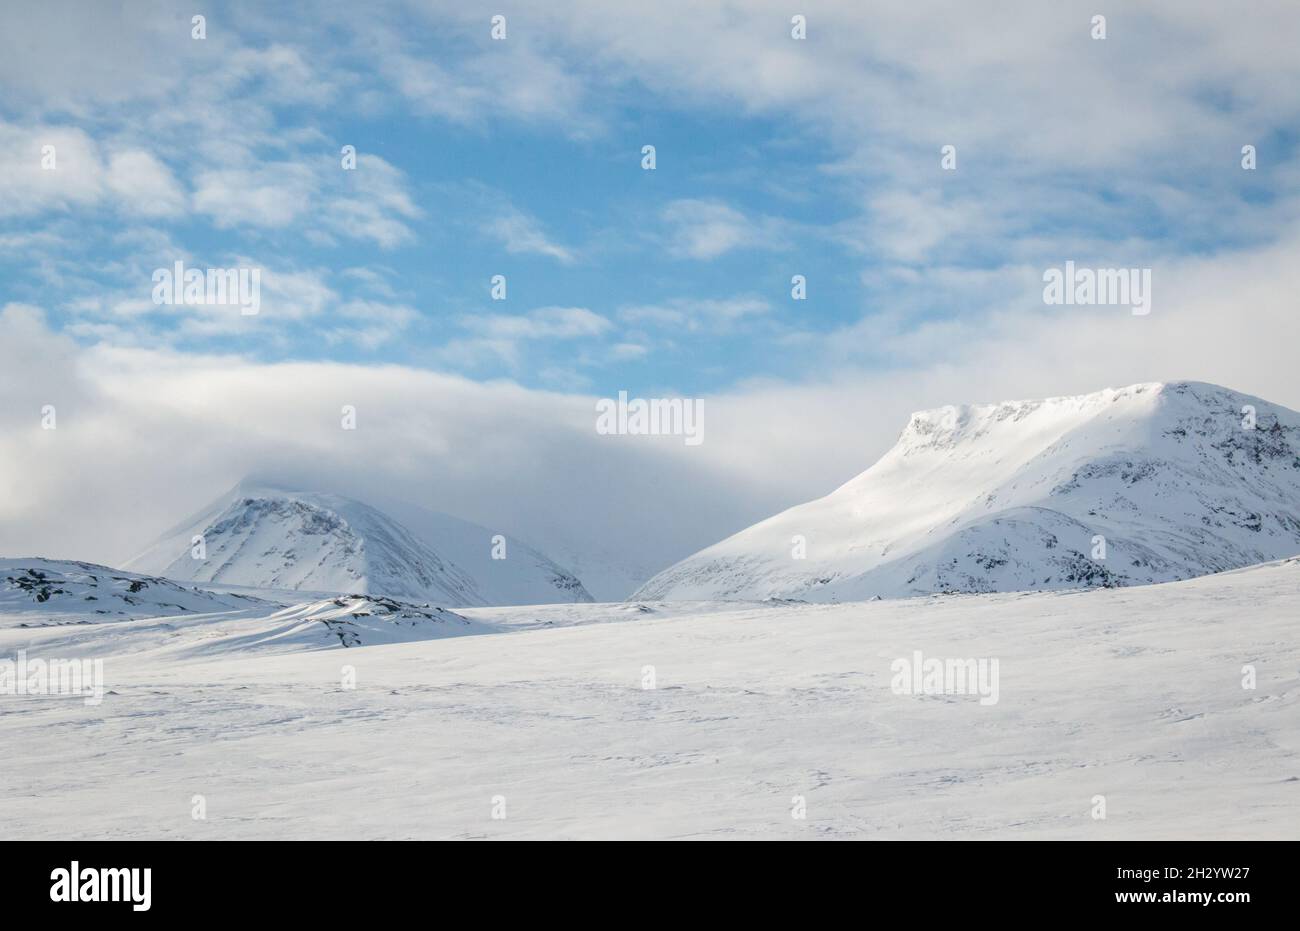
[1131, 693]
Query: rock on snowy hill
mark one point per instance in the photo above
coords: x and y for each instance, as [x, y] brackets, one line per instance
[1149, 483]
[37, 592]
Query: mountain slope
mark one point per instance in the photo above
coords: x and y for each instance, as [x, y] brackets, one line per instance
[524, 576]
[50, 592]
[1011, 496]
[274, 538]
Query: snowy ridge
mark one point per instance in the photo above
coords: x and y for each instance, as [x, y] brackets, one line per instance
[89, 610]
[273, 538]
[1007, 497]
[346, 621]
[50, 592]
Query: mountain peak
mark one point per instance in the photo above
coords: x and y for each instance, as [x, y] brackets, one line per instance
[263, 535]
[1176, 479]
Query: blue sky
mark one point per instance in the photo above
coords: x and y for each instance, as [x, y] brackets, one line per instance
[521, 157]
[711, 236]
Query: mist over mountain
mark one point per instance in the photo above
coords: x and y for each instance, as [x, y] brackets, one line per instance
[266, 537]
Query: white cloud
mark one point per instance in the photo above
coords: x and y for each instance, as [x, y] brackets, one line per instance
[282, 72]
[521, 233]
[79, 58]
[505, 338]
[372, 203]
[706, 229]
[368, 202]
[146, 435]
[1023, 82]
[372, 323]
[543, 323]
[691, 315]
[489, 80]
[273, 195]
[144, 185]
[627, 351]
[130, 180]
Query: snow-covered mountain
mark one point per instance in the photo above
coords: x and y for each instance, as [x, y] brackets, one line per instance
[607, 572]
[1175, 477]
[273, 538]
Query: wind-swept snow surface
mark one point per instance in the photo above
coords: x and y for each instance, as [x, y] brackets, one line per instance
[274, 538]
[1149, 483]
[1134, 695]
